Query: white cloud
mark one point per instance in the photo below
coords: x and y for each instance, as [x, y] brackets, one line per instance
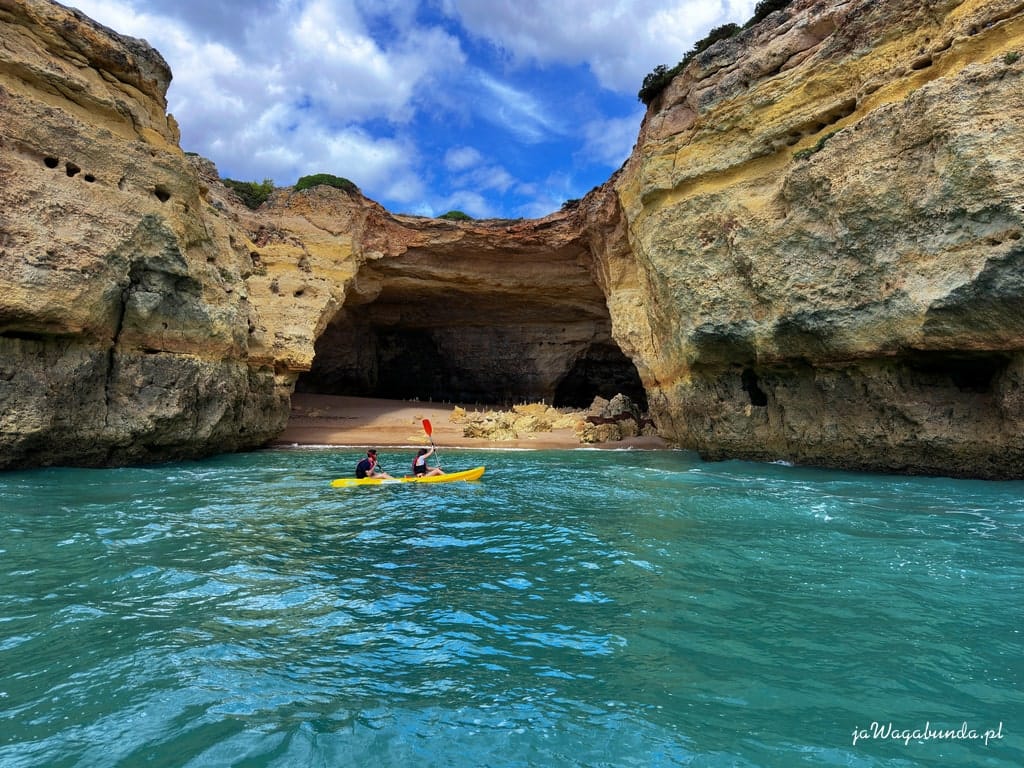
[359, 88]
[611, 140]
[387, 166]
[619, 41]
[292, 98]
[517, 111]
[485, 178]
[472, 177]
[331, 57]
[119, 16]
[461, 158]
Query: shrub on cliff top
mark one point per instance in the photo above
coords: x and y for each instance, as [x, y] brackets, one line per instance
[253, 194]
[456, 216]
[655, 82]
[766, 7]
[326, 179]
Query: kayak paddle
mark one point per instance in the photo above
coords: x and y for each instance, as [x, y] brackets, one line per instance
[429, 429]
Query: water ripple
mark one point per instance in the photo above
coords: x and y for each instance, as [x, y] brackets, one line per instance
[570, 609]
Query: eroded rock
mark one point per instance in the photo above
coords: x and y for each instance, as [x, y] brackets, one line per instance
[814, 253]
[829, 253]
[124, 314]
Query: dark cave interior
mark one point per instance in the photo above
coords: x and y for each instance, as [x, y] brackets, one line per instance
[471, 351]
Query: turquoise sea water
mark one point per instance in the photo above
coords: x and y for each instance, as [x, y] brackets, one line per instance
[573, 608]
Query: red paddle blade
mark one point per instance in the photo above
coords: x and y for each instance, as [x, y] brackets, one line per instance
[427, 428]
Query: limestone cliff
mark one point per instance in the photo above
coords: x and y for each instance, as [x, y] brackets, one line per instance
[814, 254]
[824, 220]
[124, 314]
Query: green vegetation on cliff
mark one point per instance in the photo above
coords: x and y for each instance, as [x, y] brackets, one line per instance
[456, 216]
[656, 81]
[253, 193]
[325, 179]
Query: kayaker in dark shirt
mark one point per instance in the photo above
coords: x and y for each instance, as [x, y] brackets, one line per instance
[368, 467]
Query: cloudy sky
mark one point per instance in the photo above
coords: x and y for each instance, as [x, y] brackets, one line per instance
[498, 108]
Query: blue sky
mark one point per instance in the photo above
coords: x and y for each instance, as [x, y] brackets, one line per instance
[492, 107]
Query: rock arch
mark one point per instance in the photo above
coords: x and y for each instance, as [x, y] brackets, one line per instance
[491, 317]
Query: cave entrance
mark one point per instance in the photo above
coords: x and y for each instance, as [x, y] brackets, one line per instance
[602, 370]
[536, 329]
[485, 364]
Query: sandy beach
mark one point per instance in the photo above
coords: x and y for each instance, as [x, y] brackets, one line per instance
[370, 422]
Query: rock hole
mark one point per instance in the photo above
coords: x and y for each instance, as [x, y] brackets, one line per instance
[358, 357]
[89, 177]
[843, 110]
[72, 169]
[530, 326]
[749, 381]
[162, 194]
[23, 335]
[299, 292]
[922, 63]
[972, 373]
[603, 370]
[51, 162]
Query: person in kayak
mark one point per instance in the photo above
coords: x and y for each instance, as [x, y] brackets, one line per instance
[419, 464]
[368, 467]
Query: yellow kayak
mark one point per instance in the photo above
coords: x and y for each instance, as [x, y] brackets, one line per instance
[450, 477]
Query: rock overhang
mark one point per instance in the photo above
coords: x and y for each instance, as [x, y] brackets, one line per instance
[489, 313]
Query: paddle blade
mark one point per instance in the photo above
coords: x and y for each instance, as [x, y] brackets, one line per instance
[427, 427]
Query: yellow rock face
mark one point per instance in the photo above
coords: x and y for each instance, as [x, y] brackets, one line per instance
[825, 217]
[124, 316]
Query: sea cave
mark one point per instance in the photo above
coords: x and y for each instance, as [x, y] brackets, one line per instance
[488, 326]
